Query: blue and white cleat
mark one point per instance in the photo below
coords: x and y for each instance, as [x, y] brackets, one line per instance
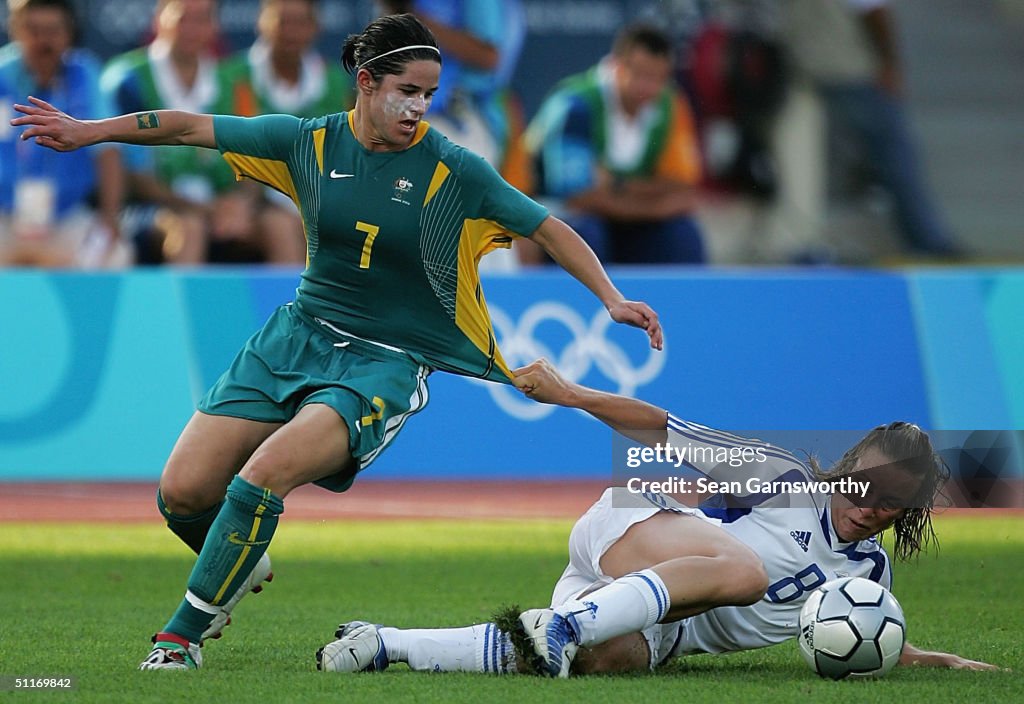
[359, 648]
[554, 640]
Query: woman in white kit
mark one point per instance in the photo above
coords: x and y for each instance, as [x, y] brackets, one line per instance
[649, 579]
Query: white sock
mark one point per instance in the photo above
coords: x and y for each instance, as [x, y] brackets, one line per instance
[629, 604]
[479, 648]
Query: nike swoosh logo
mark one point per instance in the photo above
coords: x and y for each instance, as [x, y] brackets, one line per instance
[335, 174]
[236, 539]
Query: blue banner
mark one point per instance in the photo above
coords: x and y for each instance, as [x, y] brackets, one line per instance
[99, 372]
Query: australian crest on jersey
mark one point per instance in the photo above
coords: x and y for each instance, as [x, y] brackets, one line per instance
[403, 189]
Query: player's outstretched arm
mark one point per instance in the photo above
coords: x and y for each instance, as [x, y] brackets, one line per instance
[637, 420]
[915, 656]
[50, 127]
[570, 251]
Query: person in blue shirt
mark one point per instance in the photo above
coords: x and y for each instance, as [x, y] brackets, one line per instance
[46, 197]
[616, 149]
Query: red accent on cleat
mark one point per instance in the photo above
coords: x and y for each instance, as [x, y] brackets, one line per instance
[171, 638]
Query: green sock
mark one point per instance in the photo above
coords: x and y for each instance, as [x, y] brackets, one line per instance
[192, 529]
[237, 540]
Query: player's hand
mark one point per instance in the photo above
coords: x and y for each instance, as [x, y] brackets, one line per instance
[913, 656]
[50, 127]
[641, 315]
[541, 381]
[956, 662]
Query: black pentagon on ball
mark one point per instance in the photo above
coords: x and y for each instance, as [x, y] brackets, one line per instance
[865, 658]
[830, 667]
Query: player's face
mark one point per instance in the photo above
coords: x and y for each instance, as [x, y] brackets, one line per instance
[399, 101]
[640, 77]
[891, 489]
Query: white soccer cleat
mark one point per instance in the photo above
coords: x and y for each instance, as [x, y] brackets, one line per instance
[553, 638]
[359, 648]
[171, 652]
[260, 573]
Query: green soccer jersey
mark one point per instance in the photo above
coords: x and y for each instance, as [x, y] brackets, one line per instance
[393, 238]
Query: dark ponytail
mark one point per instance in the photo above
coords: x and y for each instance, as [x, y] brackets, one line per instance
[386, 34]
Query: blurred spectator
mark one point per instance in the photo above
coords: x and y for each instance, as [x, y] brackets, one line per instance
[192, 210]
[738, 80]
[46, 216]
[736, 71]
[283, 73]
[474, 105]
[847, 50]
[617, 143]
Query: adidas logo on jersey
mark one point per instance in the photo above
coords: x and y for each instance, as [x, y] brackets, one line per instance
[802, 538]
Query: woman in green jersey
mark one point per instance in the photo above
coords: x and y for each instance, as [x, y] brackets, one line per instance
[396, 219]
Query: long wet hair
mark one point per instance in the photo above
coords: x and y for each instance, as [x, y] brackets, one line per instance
[910, 449]
[385, 34]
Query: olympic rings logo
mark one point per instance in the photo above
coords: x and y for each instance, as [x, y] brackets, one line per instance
[589, 348]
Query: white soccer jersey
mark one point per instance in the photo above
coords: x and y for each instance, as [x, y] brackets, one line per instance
[798, 545]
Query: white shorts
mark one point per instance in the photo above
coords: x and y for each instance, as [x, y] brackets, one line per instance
[597, 530]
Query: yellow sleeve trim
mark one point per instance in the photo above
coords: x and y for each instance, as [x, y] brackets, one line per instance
[318, 147]
[440, 174]
[471, 315]
[272, 172]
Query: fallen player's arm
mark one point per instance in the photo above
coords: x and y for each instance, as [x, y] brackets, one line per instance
[914, 656]
[636, 419]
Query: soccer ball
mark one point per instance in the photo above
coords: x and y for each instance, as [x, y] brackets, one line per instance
[852, 627]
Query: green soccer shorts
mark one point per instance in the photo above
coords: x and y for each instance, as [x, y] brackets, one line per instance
[295, 360]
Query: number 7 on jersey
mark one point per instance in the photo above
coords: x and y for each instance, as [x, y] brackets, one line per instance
[371, 234]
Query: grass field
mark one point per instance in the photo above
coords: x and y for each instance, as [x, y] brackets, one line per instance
[82, 600]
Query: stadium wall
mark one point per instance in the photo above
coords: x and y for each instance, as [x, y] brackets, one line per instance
[99, 372]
